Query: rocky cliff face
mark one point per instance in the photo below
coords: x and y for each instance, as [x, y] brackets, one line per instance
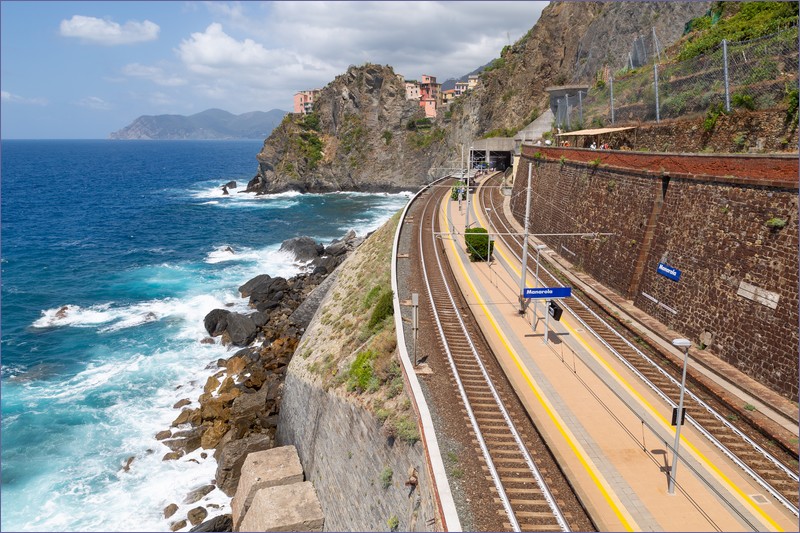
[570, 43]
[363, 135]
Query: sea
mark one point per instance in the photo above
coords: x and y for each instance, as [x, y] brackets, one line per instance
[112, 254]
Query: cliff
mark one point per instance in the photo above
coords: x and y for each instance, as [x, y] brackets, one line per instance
[570, 43]
[363, 136]
[207, 125]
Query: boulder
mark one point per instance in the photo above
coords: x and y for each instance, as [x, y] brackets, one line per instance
[267, 292]
[231, 184]
[229, 465]
[241, 329]
[197, 515]
[161, 435]
[211, 384]
[218, 523]
[250, 405]
[182, 403]
[212, 435]
[170, 510]
[259, 318]
[175, 526]
[338, 248]
[216, 321]
[197, 494]
[248, 287]
[172, 456]
[303, 248]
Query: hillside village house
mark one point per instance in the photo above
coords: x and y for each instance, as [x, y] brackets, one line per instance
[472, 82]
[429, 94]
[461, 88]
[448, 96]
[304, 101]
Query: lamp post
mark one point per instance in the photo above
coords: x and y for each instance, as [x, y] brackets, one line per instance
[682, 344]
[523, 303]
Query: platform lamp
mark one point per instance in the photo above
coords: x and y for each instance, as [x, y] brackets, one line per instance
[682, 344]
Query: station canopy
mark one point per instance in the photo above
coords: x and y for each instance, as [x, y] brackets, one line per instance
[596, 131]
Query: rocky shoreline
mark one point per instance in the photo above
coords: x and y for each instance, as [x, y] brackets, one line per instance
[237, 413]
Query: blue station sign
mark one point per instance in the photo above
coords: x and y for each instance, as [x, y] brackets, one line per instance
[669, 272]
[548, 292]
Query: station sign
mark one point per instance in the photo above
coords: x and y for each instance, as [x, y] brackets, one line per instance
[548, 292]
[669, 272]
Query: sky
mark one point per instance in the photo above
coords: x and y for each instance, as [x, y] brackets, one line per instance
[81, 70]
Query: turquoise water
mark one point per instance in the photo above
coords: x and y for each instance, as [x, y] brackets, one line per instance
[112, 254]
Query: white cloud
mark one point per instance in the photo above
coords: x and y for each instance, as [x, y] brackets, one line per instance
[153, 73]
[107, 32]
[6, 96]
[215, 51]
[94, 102]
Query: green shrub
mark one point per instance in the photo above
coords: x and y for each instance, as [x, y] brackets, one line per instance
[407, 429]
[371, 295]
[386, 477]
[361, 375]
[310, 122]
[454, 189]
[383, 308]
[712, 114]
[776, 223]
[393, 523]
[743, 100]
[478, 244]
[387, 137]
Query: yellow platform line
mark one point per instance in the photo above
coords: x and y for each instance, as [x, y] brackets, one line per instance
[744, 498]
[608, 494]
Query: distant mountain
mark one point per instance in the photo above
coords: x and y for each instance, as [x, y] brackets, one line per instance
[208, 124]
[451, 83]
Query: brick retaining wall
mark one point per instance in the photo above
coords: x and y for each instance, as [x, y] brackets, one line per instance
[703, 214]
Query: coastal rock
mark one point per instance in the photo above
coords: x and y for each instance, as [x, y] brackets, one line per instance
[235, 365]
[218, 523]
[249, 405]
[268, 292]
[211, 384]
[259, 318]
[240, 329]
[187, 415]
[175, 526]
[197, 494]
[197, 515]
[303, 248]
[170, 510]
[207, 340]
[181, 403]
[216, 321]
[231, 184]
[248, 286]
[161, 435]
[212, 435]
[229, 465]
[172, 456]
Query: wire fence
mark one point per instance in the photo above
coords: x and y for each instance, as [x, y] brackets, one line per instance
[754, 74]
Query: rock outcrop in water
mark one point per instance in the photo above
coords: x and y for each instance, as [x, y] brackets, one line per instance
[362, 136]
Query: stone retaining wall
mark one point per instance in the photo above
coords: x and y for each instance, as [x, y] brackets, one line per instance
[348, 459]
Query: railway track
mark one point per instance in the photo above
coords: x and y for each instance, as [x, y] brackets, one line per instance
[773, 467]
[530, 491]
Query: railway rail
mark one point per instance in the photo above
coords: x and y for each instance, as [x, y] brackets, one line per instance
[773, 467]
[520, 470]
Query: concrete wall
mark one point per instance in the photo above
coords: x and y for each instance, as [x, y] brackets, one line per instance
[344, 453]
[702, 214]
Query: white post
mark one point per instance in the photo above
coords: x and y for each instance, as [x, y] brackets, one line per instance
[684, 345]
[415, 321]
[539, 248]
[725, 71]
[523, 304]
[655, 82]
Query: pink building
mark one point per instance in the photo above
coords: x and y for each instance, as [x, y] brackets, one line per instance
[429, 94]
[304, 101]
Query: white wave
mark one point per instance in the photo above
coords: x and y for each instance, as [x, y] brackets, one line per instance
[75, 315]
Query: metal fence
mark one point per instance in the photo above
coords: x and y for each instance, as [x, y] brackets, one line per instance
[754, 74]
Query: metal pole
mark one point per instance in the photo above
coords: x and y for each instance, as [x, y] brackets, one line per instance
[415, 321]
[536, 284]
[655, 82]
[546, 320]
[466, 221]
[679, 419]
[580, 109]
[727, 80]
[523, 304]
[611, 82]
[566, 96]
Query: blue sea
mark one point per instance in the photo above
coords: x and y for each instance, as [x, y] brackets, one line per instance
[112, 254]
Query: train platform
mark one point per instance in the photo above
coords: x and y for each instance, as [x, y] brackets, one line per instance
[611, 434]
